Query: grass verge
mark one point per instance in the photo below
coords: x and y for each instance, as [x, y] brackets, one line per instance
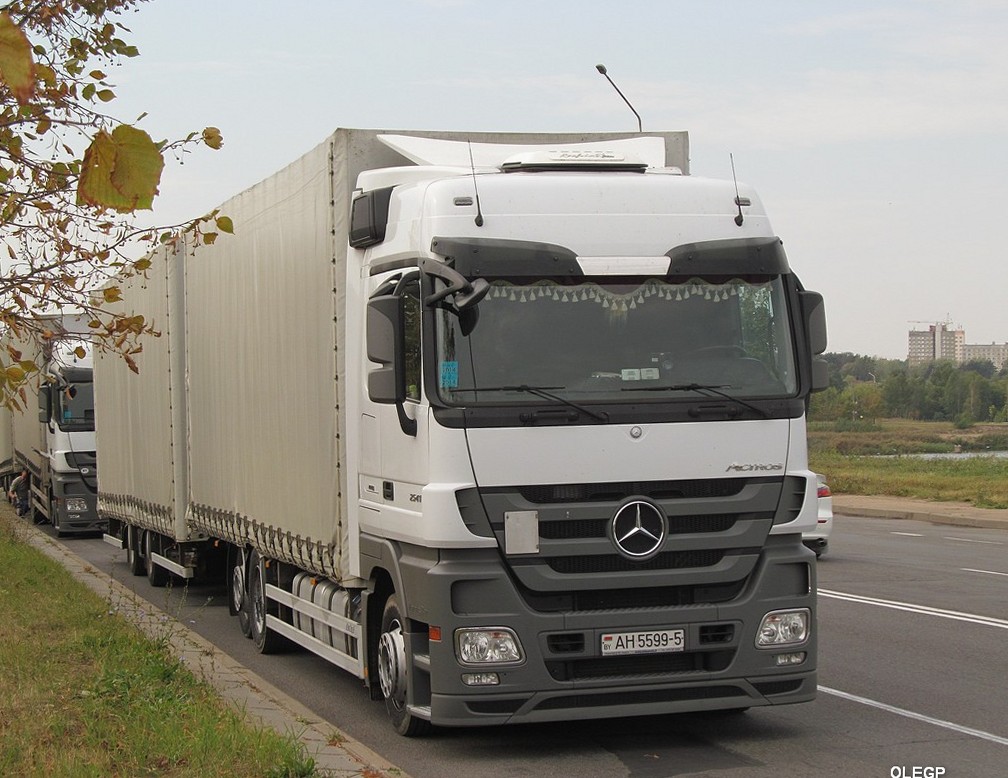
[850, 459]
[86, 694]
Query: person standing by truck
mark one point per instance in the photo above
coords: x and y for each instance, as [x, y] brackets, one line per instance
[20, 489]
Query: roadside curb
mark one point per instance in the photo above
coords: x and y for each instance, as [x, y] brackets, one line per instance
[336, 754]
[953, 514]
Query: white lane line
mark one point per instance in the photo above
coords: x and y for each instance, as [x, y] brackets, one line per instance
[978, 733]
[986, 572]
[971, 540]
[908, 534]
[987, 621]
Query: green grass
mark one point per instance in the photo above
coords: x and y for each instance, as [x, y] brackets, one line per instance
[86, 694]
[849, 457]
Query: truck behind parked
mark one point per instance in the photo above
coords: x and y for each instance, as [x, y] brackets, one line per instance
[56, 440]
[511, 427]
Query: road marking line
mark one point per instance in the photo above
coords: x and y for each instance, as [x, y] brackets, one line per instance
[978, 733]
[971, 540]
[988, 572]
[987, 621]
[909, 534]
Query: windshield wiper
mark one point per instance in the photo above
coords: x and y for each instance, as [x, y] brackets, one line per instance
[545, 393]
[708, 390]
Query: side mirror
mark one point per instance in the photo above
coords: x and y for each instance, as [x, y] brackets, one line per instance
[814, 316]
[385, 338]
[386, 345]
[44, 404]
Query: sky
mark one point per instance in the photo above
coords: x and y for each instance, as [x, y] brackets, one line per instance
[874, 132]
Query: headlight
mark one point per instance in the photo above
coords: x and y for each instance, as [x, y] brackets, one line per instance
[487, 645]
[76, 505]
[783, 628]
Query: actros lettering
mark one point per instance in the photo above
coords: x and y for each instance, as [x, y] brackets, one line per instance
[753, 467]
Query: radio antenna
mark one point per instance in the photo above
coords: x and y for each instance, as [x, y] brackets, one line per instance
[472, 167]
[602, 69]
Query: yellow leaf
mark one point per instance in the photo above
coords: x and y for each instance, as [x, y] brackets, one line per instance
[212, 137]
[224, 224]
[142, 264]
[106, 95]
[79, 352]
[111, 294]
[209, 238]
[17, 69]
[121, 171]
[15, 374]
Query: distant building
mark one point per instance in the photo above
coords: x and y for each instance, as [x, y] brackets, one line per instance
[995, 352]
[941, 341]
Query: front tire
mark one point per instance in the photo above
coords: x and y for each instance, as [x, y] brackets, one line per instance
[394, 669]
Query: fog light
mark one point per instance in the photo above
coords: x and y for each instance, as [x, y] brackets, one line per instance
[480, 679]
[783, 628]
[784, 660]
[76, 505]
[487, 645]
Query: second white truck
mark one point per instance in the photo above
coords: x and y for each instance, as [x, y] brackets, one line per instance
[512, 427]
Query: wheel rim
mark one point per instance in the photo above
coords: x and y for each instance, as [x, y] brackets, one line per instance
[392, 664]
[258, 602]
[238, 582]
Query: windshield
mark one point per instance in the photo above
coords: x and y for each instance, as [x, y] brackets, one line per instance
[619, 340]
[75, 407]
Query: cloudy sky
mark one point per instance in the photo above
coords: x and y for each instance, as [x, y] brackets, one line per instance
[875, 132]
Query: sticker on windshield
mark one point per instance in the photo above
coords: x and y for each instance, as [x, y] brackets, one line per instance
[449, 375]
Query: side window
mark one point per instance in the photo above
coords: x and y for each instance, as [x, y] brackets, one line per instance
[410, 291]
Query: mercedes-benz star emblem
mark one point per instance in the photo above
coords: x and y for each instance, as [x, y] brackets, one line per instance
[638, 529]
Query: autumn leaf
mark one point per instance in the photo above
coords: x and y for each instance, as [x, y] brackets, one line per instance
[112, 294]
[224, 224]
[212, 137]
[121, 171]
[17, 69]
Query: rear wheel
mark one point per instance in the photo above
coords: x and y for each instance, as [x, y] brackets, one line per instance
[156, 574]
[134, 559]
[266, 640]
[238, 603]
[394, 667]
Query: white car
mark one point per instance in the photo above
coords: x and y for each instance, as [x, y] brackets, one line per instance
[818, 538]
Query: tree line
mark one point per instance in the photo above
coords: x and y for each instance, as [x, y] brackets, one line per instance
[867, 388]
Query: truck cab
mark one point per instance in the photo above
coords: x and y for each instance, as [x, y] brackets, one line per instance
[582, 440]
[65, 488]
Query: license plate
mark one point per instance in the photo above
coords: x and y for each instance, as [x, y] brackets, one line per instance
[657, 641]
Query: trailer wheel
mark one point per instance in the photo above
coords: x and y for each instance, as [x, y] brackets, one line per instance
[238, 603]
[134, 559]
[265, 639]
[394, 663]
[156, 574]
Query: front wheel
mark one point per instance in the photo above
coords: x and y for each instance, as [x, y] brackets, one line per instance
[394, 668]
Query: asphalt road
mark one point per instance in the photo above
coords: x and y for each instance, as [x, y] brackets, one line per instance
[913, 644]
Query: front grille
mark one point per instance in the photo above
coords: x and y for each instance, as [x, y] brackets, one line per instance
[597, 528]
[651, 666]
[630, 599]
[615, 492]
[583, 565]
